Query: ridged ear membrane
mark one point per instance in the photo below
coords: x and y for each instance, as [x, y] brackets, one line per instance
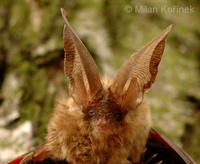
[79, 67]
[138, 73]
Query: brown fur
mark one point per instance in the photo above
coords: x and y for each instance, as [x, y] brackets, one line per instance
[71, 137]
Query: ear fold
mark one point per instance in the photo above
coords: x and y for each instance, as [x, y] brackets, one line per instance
[138, 73]
[80, 68]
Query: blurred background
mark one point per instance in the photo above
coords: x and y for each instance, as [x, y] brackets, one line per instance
[31, 63]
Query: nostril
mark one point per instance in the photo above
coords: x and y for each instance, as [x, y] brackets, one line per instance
[106, 119]
[102, 121]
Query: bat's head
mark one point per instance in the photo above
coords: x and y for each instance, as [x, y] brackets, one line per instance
[107, 108]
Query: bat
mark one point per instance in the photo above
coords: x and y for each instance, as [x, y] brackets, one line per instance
[106, 121]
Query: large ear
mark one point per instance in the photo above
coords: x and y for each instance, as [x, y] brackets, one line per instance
[80, 68]
[138, 73]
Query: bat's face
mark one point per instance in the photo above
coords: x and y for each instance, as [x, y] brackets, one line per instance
[105, 116]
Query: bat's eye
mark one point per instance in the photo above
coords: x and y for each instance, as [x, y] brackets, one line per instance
[116, 113]
[91, 112]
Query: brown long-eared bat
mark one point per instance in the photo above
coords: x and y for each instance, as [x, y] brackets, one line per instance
[106, 121]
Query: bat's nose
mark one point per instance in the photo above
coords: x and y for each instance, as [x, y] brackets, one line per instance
[102, 124]
[102, 121]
